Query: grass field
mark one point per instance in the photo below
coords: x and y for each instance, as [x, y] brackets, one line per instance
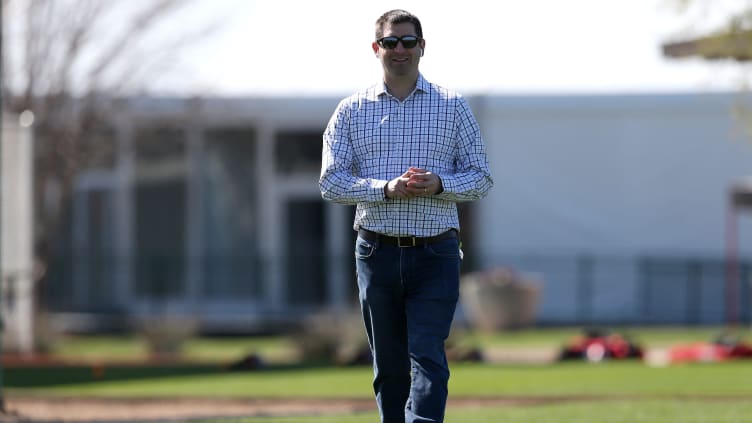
[282, 350]
[617, 379]
[627, 391]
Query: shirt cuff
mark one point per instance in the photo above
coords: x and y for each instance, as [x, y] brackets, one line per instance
[447, 185]
[378, 190]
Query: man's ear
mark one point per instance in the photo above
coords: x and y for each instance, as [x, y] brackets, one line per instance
[375, 47]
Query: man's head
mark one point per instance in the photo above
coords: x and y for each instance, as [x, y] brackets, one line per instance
[398, 16]
[399, 43]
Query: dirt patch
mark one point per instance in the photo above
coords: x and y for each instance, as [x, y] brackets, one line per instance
[132, 410]
[45, 409]
[86, 410]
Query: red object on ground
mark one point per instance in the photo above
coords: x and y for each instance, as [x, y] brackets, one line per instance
[597, 345]
[718, 350]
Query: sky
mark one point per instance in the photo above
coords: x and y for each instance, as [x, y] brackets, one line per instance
[520, 47]
[517, 47]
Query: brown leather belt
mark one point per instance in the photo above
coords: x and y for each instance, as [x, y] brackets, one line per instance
[405, 241]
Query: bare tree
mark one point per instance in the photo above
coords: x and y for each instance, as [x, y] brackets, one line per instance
[717, 31]
[714, 30]
[65, 60]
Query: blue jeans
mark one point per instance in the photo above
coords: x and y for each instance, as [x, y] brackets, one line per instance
[408, 297]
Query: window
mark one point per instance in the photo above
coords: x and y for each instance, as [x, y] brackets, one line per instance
[231, 262]
[159, 151]
[160, 239]
[306, 282]
[298, 151]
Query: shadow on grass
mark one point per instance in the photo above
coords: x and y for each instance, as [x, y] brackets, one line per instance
[50, 376]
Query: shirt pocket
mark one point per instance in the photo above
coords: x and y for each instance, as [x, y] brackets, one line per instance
[371, 140]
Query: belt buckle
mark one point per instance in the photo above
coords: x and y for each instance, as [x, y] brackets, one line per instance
[411, 242]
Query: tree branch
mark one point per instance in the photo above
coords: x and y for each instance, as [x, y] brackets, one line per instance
[136, 30]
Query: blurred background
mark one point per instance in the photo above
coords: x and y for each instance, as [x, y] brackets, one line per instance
[160, 163]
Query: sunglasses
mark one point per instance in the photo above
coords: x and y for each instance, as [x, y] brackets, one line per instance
[389, 43]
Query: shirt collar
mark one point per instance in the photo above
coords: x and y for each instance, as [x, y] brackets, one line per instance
[421, 85]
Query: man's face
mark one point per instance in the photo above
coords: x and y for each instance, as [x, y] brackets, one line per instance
[399, 61]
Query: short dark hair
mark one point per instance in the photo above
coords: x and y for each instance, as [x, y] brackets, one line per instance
[397, 16]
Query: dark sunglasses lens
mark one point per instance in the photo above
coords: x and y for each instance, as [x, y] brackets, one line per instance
[409, 42]
[389, 42]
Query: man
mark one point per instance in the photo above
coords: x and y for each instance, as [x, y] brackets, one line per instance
[405, 151]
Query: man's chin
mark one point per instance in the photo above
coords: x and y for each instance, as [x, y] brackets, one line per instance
[400, 71]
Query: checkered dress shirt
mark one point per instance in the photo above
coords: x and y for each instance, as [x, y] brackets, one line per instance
[373, 137]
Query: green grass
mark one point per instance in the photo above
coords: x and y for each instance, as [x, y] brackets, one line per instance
[606, 392]
[282, 349]
[627, 391]
[614, 378]
[214, 349]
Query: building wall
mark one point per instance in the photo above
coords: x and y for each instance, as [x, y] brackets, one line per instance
[617, 203]
[614, 200]
[211, 210]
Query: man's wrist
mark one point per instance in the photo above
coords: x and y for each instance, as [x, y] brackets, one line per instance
[441, 187]
[385, 190]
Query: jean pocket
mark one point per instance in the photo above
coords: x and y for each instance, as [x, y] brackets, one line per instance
[448, 248]
[363, 249]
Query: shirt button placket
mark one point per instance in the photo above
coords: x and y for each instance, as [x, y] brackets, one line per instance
[401, 119]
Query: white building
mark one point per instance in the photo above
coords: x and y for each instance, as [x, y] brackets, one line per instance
[210, 207]
[620, 202]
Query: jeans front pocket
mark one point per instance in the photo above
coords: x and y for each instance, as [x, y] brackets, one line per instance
[448, 248]
[364, 249]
